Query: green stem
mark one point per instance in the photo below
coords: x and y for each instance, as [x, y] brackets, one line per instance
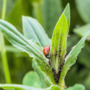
[62, 84]
[3, 50]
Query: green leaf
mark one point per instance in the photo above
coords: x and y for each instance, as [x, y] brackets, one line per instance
[19, 41]
[29, 25]
[81, 31]
[83, 9]
[18, 87]
[54, 87]
[45, 81]
[59, 39]
[71, 57]
[33, 30]
[76, 87]
[67, 13]
[23, 87]
[31, 79]
[34, 49]
[52, 9]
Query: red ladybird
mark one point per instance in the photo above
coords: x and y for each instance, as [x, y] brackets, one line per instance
[46, 50]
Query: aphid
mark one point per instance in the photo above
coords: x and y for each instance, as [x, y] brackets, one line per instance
[46, 50]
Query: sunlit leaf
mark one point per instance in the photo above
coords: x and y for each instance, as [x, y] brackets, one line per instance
[59, 40]
[59, 47]
[67, 14]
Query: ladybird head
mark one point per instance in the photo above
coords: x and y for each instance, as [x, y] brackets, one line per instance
[46, 50]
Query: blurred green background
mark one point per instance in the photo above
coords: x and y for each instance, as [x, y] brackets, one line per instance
[48, 12]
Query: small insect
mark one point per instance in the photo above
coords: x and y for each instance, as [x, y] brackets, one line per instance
[46, 50]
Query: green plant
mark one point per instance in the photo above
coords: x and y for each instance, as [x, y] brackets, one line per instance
[3, 50]
[51, 72]
[82, 27]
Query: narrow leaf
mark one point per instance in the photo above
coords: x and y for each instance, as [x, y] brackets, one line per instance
[67, 13]
[18, 87]
[33, 30]
[23, 87]
[28, 23]
[59, 39]
[71, 57]
[34, 49]
[19, 41]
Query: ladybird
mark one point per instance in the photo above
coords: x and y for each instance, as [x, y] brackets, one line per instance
[46, 50]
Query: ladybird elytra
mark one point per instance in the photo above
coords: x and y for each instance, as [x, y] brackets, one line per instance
[46, 50]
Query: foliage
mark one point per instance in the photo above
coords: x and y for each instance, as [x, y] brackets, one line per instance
[59, 40]
[84, 29]
[59, 64]
[31, 79]
[16, 58]
[22, 87]
[36, 31]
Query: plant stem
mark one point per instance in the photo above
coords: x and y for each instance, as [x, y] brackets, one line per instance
[3, 50]
[62, 84]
